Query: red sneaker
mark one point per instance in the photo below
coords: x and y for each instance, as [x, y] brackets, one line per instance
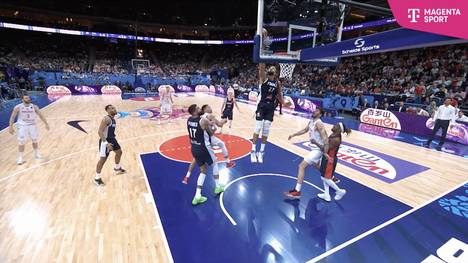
[230, 164]
[293, 194]
[185, 180]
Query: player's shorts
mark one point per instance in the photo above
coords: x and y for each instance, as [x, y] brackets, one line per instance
[202, 156]
[327, 167]
[265, 111]
[166, 108]
[103, 151]
[25, 131]
[227, 114]
[314, 156]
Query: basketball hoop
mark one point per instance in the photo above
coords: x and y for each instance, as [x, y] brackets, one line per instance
[286, 70]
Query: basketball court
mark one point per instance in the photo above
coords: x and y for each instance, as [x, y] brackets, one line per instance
[52, 210]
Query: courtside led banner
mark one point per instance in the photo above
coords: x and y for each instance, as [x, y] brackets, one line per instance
[443, 17]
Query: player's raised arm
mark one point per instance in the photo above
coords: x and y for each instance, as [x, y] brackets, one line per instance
[261, 73]
[299, 133]
[13, 116]
[39, 113]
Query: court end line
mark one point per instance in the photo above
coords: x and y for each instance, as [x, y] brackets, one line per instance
[370, 231]
[221, 198]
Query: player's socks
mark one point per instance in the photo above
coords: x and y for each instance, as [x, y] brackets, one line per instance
[20, 159]
[253, 156]
[326, 194]
[298, 187]
[260, 156]
[262, 147]
[254, 147]
[37, 155]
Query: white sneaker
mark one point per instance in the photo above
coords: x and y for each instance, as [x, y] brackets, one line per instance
[260, 157]
[340, 194]
[324, 197]
[37, 156]
[253, 157]
[20, 161]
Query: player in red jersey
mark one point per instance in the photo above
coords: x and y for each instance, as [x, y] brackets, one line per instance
[328, 165]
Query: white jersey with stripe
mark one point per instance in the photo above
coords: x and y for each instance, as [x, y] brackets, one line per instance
[314, 133]
[26, 114]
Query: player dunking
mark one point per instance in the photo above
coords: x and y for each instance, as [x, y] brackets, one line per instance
[270, 90]
[228, 107]
[166, 101]
[108, 143]
[317, 136]
[211, 122]
[27, 127]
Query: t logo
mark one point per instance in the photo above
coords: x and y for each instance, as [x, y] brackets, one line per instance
[413, 13]
[454, 251]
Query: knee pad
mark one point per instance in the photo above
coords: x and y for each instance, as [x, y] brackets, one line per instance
[258, 126]
[266, 128]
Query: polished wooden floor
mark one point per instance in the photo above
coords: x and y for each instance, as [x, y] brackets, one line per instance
[51, 212]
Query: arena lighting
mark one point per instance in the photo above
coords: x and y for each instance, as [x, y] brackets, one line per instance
[177, 41]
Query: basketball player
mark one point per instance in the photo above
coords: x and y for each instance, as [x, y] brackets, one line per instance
[26, 125]
[209, 124]
[270, 90]
[328, 165]
[108, 143]
[228, 107]
[317, 135]
[166, 101]
[201, 151]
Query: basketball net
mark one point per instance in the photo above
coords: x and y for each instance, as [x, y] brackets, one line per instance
[286, 70]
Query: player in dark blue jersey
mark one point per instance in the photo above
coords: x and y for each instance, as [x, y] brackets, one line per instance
[228, 107]
[270, 91]
[108, 143]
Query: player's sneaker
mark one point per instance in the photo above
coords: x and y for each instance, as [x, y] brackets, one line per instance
[324, 197]
[38, 156]
[253, 157]
[340, 194]
[260, 156]
[293, 194]
[336, 179]
[218, 190]
[20, 161]
[120, 170]
[230, 164]
[199, 200]
[185, 180]
[99, 182]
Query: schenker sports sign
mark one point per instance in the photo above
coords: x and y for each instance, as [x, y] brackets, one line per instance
[382, 118]
[381, 166]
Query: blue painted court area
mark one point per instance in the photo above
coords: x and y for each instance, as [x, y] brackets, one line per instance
[438, 231]
[264, 226]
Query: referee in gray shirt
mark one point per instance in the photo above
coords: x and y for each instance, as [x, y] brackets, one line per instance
[443, 116]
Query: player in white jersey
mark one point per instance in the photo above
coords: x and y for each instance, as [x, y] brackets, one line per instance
[27, 126]
[166, 101]
[211, 121]
[317, 135]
